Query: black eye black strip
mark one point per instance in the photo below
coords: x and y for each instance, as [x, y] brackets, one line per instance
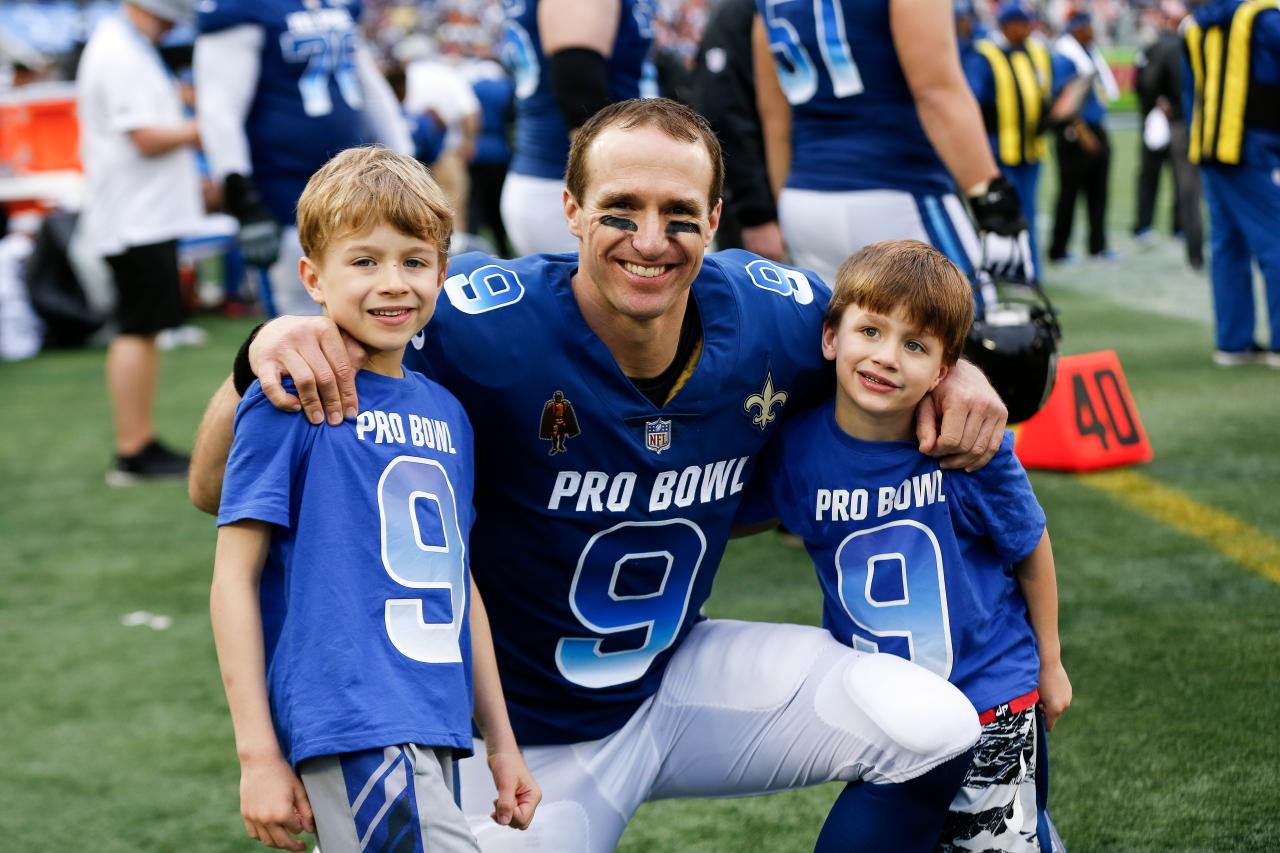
[683, 226]
[619, 222]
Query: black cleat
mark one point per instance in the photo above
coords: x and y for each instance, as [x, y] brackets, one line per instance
[151, 463]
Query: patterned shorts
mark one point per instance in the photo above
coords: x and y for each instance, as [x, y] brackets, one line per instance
[997, 808]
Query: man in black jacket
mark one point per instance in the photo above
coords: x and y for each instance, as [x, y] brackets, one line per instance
[724, 91]
[1159, 86]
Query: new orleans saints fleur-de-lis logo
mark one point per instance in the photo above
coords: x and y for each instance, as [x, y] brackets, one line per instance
[765, 401]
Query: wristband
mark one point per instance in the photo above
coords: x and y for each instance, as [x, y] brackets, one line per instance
[242, 375]
[579, 83]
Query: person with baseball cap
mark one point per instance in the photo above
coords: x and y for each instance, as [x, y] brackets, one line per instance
[143, 193]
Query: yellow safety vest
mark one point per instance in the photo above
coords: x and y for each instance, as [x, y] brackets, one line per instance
[1220, 65]
[1023, 82]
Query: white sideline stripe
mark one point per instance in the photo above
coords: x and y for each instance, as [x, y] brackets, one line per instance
[1247, 545]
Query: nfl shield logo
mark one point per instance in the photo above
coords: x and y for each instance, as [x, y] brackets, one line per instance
[657, 435]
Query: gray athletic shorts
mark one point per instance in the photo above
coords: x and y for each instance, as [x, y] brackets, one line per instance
[396, 798]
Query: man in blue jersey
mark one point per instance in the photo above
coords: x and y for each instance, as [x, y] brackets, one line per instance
[1233, 97]
[282, 86]
[968, 29]
[566, 65]
[495, 90]
[869, 128]
[678, 367]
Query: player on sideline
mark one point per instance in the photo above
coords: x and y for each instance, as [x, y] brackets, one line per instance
[869, 127]
[349, 696]
[282, 86]
[595, 561]
[949, 569]
[567, 65]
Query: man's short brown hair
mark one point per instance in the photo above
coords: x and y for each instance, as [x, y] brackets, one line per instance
[362, 187]
[913, 277]
[672, 118]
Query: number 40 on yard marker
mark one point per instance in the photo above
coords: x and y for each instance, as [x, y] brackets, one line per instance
[1090, 421]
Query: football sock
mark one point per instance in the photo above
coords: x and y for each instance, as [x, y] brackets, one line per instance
[901, 818]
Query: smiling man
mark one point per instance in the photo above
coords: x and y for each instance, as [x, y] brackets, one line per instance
[595, 560]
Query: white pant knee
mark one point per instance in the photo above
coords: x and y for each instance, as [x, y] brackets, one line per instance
[919, 711]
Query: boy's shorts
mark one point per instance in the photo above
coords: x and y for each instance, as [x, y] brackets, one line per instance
[401, 798]
[1002, 804]
[149, 295]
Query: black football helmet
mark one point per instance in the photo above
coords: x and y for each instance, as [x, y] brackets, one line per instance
[1014, 339]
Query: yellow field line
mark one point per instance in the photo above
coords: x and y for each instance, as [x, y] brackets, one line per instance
[1243, 543]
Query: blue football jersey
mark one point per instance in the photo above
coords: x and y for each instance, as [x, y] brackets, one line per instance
[308, 103]
[601, 518]
[912, 559]
[541, 138]
[365, 591]
[495, 95]
[854, 123]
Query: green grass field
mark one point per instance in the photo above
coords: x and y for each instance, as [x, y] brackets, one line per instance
[116, 738]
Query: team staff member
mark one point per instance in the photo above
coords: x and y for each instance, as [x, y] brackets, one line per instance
[1160, 69]
[143, 194]
[567, 64]
[1084, 151]
[675, 366]
[282, 86]
[870, 126]
[1234, 49]
[1015, 78]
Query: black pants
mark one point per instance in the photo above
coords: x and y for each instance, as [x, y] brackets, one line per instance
[1187, 217]
[1186, 176]
[484, 206]
[1080, 171]
[1152, 164]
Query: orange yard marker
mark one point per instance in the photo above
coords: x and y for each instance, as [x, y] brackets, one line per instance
[1090, 421]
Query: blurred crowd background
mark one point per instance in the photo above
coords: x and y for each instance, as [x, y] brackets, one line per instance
[465, 139]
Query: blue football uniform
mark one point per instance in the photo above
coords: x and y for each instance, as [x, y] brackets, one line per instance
[495, 94]
[1232, 96]
[854, 123]
[308, 101]
[601, 517]
[862, 169]
[541, 138]
[365, 590]
[912, 559]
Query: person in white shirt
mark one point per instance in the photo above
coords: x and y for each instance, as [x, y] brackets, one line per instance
[143, 193]
[438, 85]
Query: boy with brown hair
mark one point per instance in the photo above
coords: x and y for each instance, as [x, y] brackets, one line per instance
[949, 569]
[342, 593]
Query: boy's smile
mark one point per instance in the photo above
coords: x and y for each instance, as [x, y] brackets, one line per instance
[884, 367]
[380, 286]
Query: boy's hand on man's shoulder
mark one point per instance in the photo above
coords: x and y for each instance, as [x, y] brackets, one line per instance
[320, 358]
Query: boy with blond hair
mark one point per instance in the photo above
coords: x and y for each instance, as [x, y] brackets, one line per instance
[342, 594]
[949, 569]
